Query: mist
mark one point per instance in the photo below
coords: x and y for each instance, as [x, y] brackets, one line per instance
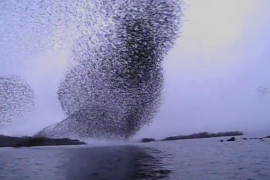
[211, 74]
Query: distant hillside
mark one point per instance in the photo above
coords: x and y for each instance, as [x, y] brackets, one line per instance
[9, 141]
[204, 135]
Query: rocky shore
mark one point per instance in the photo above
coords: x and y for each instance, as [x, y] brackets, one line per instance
[234, 139]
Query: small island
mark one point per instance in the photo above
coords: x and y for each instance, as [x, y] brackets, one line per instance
[197, 136]
[26, 141]
[204, 135]
[147, 140]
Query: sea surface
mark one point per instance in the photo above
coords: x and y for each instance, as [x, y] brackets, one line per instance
[201, 159]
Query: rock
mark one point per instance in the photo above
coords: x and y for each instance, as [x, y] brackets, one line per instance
[244, 138]
[267, 137]
[147, 140]
[231, 139]
[221, 140]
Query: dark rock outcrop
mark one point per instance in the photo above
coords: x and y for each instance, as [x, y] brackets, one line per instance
[221, 140]
[267, 137]
[148, 140]
[232, 139]
[8, 141]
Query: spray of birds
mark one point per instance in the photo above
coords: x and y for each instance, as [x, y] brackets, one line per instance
[262, 90]
[16, 99]
[115, 86]
[114, 83]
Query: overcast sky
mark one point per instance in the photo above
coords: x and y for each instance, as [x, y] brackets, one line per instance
[211, 74]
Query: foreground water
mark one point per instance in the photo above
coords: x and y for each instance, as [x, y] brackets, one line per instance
[177, 160]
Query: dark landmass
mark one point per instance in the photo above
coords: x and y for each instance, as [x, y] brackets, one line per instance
[232, 139]
[204, 135]
[147, 140]
[262, 138]
[25, 141]
[196, 136]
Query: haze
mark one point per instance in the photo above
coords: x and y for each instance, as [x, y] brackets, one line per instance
[211, 74]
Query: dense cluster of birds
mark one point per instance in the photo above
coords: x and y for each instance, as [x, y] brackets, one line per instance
[114, 84]
[16, 99]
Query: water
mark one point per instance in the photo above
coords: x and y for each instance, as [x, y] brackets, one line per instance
[209, 159]
[177, 160]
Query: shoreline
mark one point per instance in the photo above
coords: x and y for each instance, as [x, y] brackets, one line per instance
[201, 135]
[27, 141]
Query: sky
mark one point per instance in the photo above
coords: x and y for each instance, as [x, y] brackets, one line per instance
[211, 74]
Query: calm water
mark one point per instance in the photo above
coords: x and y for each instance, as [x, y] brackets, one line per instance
[176, 160]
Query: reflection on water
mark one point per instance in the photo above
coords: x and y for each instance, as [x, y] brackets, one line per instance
[186, 160]
[209, 159]
[83, 163]
[149, 165]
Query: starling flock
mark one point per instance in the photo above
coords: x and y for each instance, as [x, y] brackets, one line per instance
[114, 83]
[16, 99]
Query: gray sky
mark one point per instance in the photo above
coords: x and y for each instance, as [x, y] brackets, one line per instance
[211, 74]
